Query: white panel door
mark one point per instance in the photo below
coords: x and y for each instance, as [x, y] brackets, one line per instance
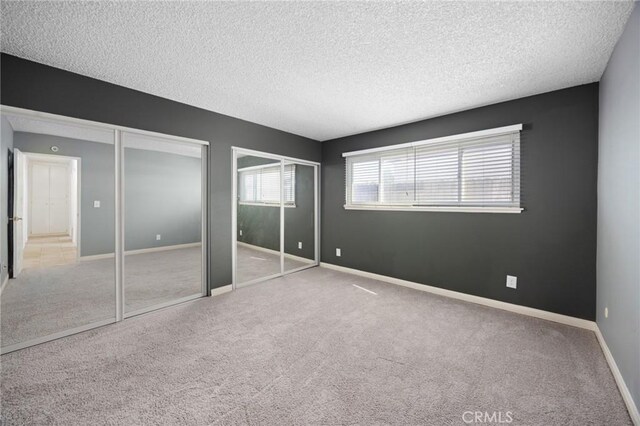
[58, 199]
[39, 199]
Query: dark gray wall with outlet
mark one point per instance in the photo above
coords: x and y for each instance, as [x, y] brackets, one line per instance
[6, 145]
[30, 85]
[550, 247]
[162, 193]
[260, 225]
[618, 202]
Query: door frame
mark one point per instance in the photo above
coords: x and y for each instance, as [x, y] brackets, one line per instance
[119, 216]
[36, 157]
[234, 213]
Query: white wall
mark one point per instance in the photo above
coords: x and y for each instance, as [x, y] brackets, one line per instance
[618, 258]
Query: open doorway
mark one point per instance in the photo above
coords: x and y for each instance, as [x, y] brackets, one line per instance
[50, 208]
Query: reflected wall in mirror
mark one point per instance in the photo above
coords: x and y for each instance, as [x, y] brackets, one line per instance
[299, 219]
[59, 185]
[163, 204]
[258, 218]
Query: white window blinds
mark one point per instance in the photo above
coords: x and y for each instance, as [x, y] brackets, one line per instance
[474, 171]
[261, 184]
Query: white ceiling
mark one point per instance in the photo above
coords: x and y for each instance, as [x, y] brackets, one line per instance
[323, 69]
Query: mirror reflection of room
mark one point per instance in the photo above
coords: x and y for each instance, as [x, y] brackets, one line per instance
[299, 221]
[60, 240]
[258, 217]
[162, 221]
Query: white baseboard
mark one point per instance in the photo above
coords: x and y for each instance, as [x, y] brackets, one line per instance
[523, 310]
[624, 390]
[221, 290]
[275, 252]
[140, 251]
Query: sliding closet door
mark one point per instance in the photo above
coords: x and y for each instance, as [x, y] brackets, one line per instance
[299, 215]
[62, 230]
[257, 218]
[163, 222]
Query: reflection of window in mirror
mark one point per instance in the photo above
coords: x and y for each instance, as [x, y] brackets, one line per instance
[261, 185]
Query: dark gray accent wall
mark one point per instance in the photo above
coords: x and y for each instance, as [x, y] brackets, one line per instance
[6, 145]
[260, 225]
[619, 205]
[97, 225]
[30, 85]
[550, 247]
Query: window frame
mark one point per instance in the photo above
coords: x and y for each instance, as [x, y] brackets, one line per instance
[378, 154]
[287, 204]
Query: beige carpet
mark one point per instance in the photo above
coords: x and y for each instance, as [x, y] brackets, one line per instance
[311, 348]
[252, 263]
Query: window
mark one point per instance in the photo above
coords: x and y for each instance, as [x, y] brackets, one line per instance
[477, 171]
[261, 185]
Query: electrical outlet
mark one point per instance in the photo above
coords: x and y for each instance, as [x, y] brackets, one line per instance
[606, 312]
[158, 237]
[241, 232]
[338, 252]
[512, 282]
[96, 204]
[300, 245]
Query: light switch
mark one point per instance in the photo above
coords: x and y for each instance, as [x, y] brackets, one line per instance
[96, 204]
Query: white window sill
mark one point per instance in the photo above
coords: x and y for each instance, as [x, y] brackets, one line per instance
[453, 209]
[287, 206]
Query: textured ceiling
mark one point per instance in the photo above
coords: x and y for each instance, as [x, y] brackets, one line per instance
[323, 69]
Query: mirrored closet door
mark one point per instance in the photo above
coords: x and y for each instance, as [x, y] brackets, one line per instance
[60, 243]
[163, 223]
[105, 222]
[275, 216]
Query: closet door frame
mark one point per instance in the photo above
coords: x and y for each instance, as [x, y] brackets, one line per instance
[119, 217]
[235, 151]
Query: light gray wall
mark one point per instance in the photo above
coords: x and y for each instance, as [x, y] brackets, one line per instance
[618, 258]
[97, 225]
[162, 193]
[162, 196]
[6, 144]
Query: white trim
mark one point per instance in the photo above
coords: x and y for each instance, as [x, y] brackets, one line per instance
[55, 336]
[252, 203]
[95, 124]
[275, 252]
[622, 386]
[163, 305]
[141, 251]
[221, 290]
[461, 136]
[518, 309]
[458, 209]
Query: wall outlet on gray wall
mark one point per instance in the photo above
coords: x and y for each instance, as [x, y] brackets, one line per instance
[241, 232]
[96, 204]
[512, 282]
[606, 312]
[300, 245]
[338, 252]
[158, 237]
